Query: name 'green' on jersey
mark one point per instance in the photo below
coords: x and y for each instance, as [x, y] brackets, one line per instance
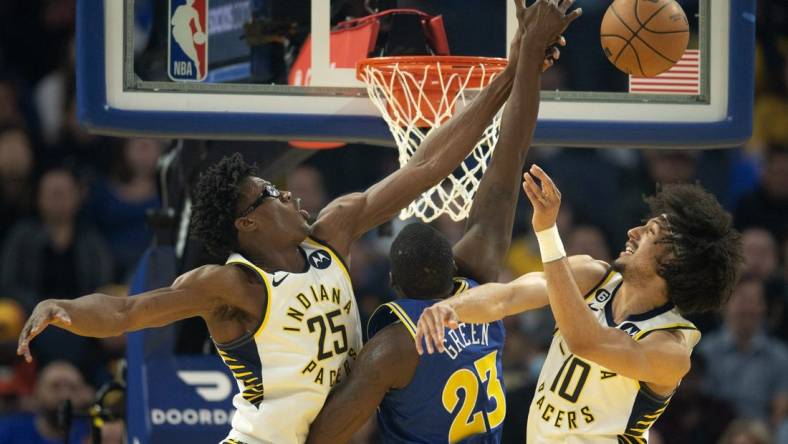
[578, 401]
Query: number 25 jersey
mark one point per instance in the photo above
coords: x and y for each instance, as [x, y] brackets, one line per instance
[455, 396]
[305, 344]
[579, 401]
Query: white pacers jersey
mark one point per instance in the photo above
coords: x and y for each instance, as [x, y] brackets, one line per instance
[305, 344]
[578, 401]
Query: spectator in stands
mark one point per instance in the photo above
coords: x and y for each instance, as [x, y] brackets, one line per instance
[671, 166]
[51, 95]
[56, 257]
[767, 206]
[695, 417]
[57, 382]
[745, 431]
[761, 257]
[745, 366]
[761, 262]
[771, 102]
[16, 165]
[17, 377]
[307, 182]
[369, 272]
[118, 203]
[575, 170]
[10, 113]
[588, 239]
[89, 152]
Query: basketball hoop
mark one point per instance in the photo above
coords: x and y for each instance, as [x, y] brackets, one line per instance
[415, 94]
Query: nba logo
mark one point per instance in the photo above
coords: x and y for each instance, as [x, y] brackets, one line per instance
[187, 57]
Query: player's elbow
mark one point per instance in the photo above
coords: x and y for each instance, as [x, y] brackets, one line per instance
[122, 316]
[511, 302]
[682, 367]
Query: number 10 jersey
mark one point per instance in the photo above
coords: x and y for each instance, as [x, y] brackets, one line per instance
[305, 344]
[578, 401]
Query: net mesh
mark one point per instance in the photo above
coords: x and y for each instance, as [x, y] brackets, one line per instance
[415, 97]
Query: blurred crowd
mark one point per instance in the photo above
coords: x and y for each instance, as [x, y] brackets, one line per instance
[73, 210]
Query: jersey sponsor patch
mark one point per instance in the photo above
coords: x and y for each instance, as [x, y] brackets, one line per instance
[187, 55]
[320, 259]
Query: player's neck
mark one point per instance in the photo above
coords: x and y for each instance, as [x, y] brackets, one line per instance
[636, 298]
[280, 259]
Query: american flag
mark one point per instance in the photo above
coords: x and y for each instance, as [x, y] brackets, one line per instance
[682, 78]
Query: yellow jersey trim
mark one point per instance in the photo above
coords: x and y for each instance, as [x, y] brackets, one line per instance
[403, 317]
[678, 326]
[603, 282]
[268, 294]
[463, 285]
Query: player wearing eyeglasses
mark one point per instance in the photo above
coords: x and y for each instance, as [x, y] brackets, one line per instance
[281, 311]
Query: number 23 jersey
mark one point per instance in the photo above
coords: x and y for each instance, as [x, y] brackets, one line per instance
[578, 401]
[454, 397]
[305, 344]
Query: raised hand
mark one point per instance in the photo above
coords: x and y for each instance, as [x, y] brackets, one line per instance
[431, 325]
[552, 53]
[546, 199]
[46, 313]
[546, 20]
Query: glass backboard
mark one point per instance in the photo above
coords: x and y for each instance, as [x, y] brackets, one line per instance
[285, 70]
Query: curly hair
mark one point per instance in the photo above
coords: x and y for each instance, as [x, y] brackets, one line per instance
[215, 198]
[706, 258]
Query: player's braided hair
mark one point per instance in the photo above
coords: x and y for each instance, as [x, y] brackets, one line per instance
[422, 262]
[706, 250]
[215, 200]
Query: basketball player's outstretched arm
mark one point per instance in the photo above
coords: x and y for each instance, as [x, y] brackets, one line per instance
[388, 361]
[662, 358]
[349, 217]
[196, 293]
[488, 232]
[494, 301]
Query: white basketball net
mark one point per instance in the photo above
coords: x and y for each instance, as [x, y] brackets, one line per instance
[401, 98]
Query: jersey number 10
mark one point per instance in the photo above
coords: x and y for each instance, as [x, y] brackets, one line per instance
[467, 422]
[574, 364]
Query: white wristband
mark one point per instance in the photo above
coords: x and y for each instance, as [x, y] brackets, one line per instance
[550, 245]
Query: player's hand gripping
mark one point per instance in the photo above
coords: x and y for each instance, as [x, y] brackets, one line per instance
[431, 327]
[546, 199]
[546, 20]
[46, 312]
[552, 53]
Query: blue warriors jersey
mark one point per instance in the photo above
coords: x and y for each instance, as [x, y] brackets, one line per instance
[455, 396]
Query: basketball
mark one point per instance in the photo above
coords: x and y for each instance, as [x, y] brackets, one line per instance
[644, 37]
[199, 38]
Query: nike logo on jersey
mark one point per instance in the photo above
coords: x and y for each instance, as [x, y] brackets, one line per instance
[277, 282]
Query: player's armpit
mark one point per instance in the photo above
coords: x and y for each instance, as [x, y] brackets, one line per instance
[387, 361]
[660, 359]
